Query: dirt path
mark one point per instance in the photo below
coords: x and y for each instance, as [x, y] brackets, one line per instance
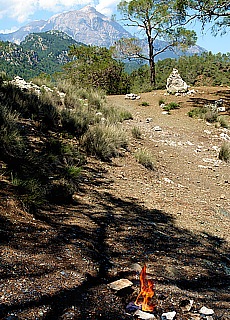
[190, 182]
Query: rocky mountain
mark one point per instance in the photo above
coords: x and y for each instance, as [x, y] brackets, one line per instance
[38, 52]
[88, 26]
[85, 25]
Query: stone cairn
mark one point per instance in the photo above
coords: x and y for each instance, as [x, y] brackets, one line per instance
[175, 84]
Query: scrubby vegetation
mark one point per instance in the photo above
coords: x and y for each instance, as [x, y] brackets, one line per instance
[224, 153]
[145, 158]
[45, 139]
[207, 112]
[136, 132]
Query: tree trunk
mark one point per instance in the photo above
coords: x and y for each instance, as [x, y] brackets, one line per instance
[151, 62]
[152, 72]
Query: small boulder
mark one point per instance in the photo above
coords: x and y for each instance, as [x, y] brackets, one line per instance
[168, 315]
[206, 311]
[120, 284]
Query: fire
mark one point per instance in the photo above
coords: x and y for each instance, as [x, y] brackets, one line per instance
[145, 297]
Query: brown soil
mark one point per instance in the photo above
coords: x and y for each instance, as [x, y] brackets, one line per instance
[57, 263]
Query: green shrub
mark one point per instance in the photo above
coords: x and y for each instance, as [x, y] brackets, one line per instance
[32, 192]
[145, 158]
[49, 117]
[205, 113]
[96, 99]
[125, 115]
[104, 141]
[223, 121]
[72, 155]
[195, 113]
[171, 106]
[11, 142]
[136, 132]
[83, 93]
[75, 122]
[161, 101]
[115, 115]
[210, 115]
[145, 104]
[43, 79]
[71, 100]
[224, 153]
[72, 172]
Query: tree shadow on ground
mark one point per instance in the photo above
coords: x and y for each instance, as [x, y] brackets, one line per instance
[109, 233]
[201, 102]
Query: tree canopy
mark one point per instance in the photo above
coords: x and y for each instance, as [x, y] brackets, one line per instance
[157, 20]
[94, 66]
[217, 12]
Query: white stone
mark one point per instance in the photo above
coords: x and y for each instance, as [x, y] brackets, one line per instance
[221, 109]
[168, 315]
[206, 311]
[120, 284]
[225, 136]
[157, 128]
[168, 180]
[207, 131]
[144, 315]
[149, 120]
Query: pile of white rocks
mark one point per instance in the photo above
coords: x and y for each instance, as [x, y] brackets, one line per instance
[132, 96]
[30, 86]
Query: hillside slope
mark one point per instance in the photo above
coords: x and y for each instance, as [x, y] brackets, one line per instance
[56, 264]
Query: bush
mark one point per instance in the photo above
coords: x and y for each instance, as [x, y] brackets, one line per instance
[145, 104]
[104, 141]
[161, 101]
[223, 121]
[145, 158]
[171, 106]
[136, 132]
[32, 192]
[29, 105]
[71, 100]
[11, 142]
[205, 113]
[115, 115]
[96, 99]
[224, 153]
[72, 172]
[75, 122]
[210, 115]
[61, 192]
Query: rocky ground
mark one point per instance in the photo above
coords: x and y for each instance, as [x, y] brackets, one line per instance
[57, 263]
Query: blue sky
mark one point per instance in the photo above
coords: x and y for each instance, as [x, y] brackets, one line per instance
[17, 13]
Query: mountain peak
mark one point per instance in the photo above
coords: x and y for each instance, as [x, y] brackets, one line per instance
[86, 25]
[88, 9]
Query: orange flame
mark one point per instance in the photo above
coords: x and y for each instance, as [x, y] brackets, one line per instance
[144, 298]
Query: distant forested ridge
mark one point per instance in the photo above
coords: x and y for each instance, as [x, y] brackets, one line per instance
[39, 53]
[47, 53]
